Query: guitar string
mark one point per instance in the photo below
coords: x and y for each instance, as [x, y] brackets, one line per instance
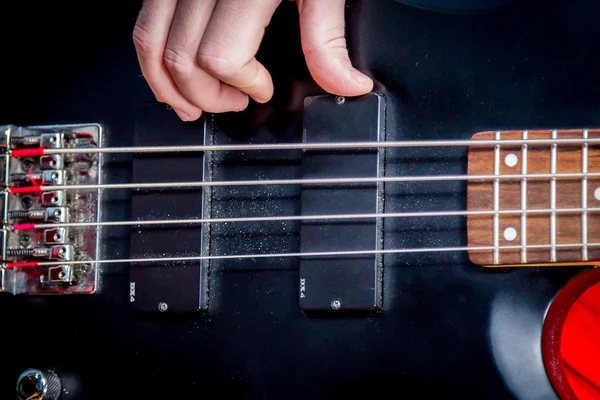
[324, 146]
[300, 254]
[316, 181]
[288, 218]
[317, 146]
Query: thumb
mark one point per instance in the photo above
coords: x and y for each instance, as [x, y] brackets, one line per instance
[324, 46]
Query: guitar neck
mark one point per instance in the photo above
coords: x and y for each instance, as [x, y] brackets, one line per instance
[556, 195]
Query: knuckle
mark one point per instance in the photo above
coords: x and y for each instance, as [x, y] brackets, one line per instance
[178, 62]
[251, 79]
[332, 38]
[143, 40]
[218, 65]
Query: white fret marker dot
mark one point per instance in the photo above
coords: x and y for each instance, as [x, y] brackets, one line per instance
[510, 234]
[597, 193]
[511, 160]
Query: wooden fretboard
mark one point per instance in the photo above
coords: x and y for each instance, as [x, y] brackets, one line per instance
[550, 231]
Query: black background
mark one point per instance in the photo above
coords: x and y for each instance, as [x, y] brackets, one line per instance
[531, 65]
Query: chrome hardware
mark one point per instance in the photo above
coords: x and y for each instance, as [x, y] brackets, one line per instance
[3, 280]
[52, 162]
[28, 243]
[51, 140]
[55, 236]
[25, 141]
[47, 140]
[54, 177]
[56, 214]
[4, 134]
[48, 177]
[59, 252]
[25, 178]
[34, 384]
[50, 214]
[27, 214]
[34, 252]
[3, 164]
[60, 274]
[52, 199]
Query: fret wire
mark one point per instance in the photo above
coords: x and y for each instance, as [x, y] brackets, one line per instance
[308, 254]
[553, 162]
[584, 197]
[524, 156]
[496, 227]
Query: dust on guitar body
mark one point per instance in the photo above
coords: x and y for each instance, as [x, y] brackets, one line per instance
[49, 200]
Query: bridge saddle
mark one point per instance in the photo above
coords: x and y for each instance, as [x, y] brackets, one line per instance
[47, 225]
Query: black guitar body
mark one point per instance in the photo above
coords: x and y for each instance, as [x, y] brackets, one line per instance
[235, 328]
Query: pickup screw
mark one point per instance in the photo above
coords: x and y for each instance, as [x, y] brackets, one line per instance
[162, 306]
[169, 108]
[336, 304]
[340, 100]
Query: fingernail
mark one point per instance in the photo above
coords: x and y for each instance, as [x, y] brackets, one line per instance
[258, 99]
[182, 115]
[359, 76]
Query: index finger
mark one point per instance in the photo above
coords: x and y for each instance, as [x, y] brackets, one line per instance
[231, 41]
[150, 39]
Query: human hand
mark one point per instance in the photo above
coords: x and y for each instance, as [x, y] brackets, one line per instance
[199, 55]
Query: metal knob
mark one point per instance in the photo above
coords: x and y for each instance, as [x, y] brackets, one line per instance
[34, 384]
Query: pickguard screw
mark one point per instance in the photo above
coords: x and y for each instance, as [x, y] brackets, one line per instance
[340, 100]
[336, 304]
[169, 108]
[162, 306]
